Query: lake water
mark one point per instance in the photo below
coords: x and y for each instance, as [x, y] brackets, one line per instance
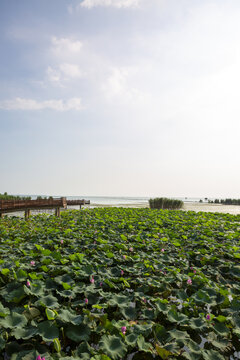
[122, 200]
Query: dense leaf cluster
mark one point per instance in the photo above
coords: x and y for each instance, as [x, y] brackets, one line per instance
[114, 283]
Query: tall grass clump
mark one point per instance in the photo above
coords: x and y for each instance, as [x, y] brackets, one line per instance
[165, 203]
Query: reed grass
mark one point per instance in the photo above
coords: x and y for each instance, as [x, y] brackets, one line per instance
[165, 203]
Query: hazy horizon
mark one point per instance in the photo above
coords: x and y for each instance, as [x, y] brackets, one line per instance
[137, 98]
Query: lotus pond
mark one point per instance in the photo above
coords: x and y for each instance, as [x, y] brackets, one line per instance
[117, 283]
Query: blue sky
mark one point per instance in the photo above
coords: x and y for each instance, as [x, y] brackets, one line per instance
[120, 97]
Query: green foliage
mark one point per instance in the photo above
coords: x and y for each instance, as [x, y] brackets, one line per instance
[165, 203]
[120, 283]
[5, 196]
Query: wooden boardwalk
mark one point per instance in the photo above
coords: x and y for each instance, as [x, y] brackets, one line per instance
[78, 202]
[7, 206]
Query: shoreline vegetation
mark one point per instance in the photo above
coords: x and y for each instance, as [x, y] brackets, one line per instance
[225, 201]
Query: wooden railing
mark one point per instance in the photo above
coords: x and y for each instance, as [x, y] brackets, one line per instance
[13, 205]
[28, 205]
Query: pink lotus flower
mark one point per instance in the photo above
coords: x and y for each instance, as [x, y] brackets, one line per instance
[86, 301]
[124, 256]
[194, 271]
[162, 250]
[61, 241]
[131, 249]
[208, 317]
[122, 272]
[28, 283]
[189, 281]
[32, 262]
[101, 284]
[38, 357]
[144, 300]
[123, 329]
[92, 280]
[43, 358]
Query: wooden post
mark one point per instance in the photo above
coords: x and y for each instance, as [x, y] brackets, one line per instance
[1, 215]
[80, 206]
[27, 213]
[57, 211]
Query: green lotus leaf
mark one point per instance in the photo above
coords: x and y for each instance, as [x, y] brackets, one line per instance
[31, 313]
[69, 316]
[193, 347]
[149, 314]
[119, 300]
[2, 343]
[36, 289]
[221, 329]
[24, 333]
[197, 323]
[13, 292]
[21, 275]
[177, 317]
[163, 353]
[129, 313]
[25, 355]
[131, 339]
[202, 297]
[162, 306]
[113, 346]
[178, 335]
[143, 345]
[14, 320]
[212, 355]
[218, 341]
[161, 333]
[49, 301]
[48, 331]
[221, 318]
[5, 271]
[4, 311]
[182, 295]
[50, 314]
[100, 357]
[78, 333]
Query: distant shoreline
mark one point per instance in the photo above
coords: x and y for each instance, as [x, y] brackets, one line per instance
[188, 206]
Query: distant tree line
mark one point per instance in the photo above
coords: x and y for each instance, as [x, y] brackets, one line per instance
[225, 201]
[5, 196]
[165, 203]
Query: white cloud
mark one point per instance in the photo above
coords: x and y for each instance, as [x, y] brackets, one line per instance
[65, 45]
[64, 72]
[119, 85]
[31, 104]
[70, 70]
[114, 3]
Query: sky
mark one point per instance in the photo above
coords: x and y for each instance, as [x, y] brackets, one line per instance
[120, 97]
